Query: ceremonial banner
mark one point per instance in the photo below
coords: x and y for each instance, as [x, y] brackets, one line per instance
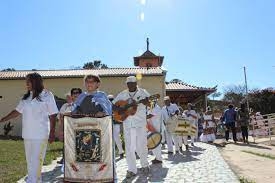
[184, 128]
[88, 149]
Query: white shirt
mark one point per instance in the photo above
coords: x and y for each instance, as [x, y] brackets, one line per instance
[139, 118]
[157, 117]
[188, 114]
[167, 111]
[65, 108]
[35, 115]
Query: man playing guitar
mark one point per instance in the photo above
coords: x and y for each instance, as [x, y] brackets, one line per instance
[134, 126]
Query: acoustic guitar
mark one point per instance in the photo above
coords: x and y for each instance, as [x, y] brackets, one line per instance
[125, 108]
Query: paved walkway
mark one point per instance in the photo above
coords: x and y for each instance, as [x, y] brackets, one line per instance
[202, 164]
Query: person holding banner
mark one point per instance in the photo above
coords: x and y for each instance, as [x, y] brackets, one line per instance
[92, 102]
[38, 110]
[134, 124]
[192, 116]
[169, 111]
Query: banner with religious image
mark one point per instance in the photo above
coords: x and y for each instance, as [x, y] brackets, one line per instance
[88, 151]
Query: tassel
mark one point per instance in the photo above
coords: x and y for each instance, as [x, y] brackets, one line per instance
[102, 167]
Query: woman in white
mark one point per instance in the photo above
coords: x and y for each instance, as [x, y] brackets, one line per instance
[38, 109]
[208, 134]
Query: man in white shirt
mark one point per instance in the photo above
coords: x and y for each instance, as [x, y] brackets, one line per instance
[192, 117]
[169, 111]
[156, 121]
[134, 126]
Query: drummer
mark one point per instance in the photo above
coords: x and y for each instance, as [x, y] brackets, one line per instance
[156, 121]
[168, 111]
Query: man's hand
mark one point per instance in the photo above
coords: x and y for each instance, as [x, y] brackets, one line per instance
[149, 116]
[100, 114]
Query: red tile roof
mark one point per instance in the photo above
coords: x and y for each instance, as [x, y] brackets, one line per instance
[185, 87]
[5, 75]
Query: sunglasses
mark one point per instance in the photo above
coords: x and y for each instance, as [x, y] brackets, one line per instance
[74, 93]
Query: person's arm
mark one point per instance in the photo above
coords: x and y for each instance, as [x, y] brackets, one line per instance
[52, 128]
[11, 115]
[52, 112]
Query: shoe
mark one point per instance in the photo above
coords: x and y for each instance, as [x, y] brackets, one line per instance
[186, 147]
[121, 156]
[145, 170]
[130, 174]
[181, 150]
[247, 142]
[155, 161]
[169, 153]
[60, 161]
[137, 157]
[192, 144]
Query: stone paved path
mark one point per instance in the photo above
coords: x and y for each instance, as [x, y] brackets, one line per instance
[202, 164]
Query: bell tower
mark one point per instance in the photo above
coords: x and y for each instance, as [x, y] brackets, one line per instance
[148, 59]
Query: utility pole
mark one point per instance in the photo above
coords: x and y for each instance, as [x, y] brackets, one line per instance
[244, 70]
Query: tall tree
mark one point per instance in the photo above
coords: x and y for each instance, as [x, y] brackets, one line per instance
[234, 94]
[8, 69]
[176, 81]
[96, 64]
[216, 94]
[262, 100]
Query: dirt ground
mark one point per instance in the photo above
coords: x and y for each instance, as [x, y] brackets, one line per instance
[252, 167]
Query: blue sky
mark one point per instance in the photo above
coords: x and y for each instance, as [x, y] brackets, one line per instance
[204, 42]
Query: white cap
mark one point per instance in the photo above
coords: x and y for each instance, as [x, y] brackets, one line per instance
[110, 96]
[67, 94]
[131, 79]
[258, 113]
[166, 98]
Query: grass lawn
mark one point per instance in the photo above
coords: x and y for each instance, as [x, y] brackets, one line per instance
[12, 159]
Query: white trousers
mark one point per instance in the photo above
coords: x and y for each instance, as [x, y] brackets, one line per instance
[135, 141]
[157, 150]
[170, 138]
[182, 139]
[35, 151]
[117, 138]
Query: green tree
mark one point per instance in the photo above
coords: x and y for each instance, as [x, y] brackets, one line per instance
[96, 64]
[8, 69]
[176, 81]
[262, 100]
[216, 94]
[234, 94]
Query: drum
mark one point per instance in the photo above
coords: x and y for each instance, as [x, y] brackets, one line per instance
[171, 124]
[153, 140]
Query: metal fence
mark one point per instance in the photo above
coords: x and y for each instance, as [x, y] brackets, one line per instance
[262, 126]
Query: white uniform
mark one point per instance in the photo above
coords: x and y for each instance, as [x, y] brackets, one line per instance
[194, 120]
[35, 130]
[156, 122]
[135, 133]
[167, 111]
[117, 138]
[208, 123]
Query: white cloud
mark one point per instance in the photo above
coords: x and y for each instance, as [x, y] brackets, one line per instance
[142, 16]
[143, 2]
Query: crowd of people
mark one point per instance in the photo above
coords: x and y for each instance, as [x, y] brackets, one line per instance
[39, 112]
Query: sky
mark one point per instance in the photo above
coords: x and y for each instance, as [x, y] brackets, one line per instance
[204, 42]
